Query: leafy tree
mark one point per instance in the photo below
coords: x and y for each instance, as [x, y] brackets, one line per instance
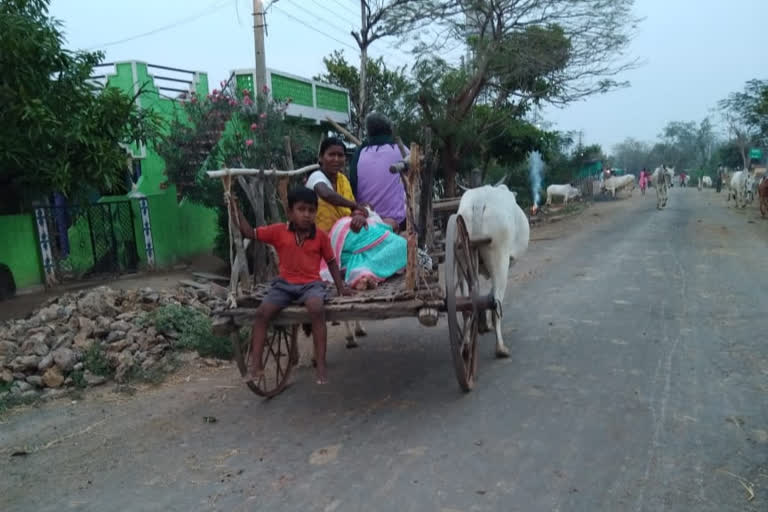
[746, 117]
[523, 53]
[230, 129]
[58, 133]
[632, 155]
[388, 91]
[376, 24]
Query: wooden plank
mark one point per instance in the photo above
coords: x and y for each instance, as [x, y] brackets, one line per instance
[348, 312]
[337, 312]
[210, 277]
[446, 205]
[194, 284]
[477, 242]
[261, 172]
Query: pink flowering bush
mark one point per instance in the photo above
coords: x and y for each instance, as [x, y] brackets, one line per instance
[229, 128]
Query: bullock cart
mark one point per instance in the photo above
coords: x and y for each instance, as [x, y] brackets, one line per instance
[419, 292]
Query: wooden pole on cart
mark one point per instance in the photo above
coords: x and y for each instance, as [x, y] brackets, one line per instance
[239, 271]
[426, 223]
[282, 183]
[409, 173]
[356, 141]
[412, 268]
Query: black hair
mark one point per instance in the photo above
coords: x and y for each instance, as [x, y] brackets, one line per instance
[301, 195]
[377, 124]
[329, 142]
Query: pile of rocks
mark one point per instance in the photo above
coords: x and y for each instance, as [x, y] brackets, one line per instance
[46, 352]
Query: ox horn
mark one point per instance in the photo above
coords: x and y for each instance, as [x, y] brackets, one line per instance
[501, 181]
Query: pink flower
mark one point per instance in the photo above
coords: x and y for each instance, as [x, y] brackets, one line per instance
[263, 115]
[215, 92]
[232, 103]
[249, 143]
[223, 84]
[193, 100]
[254, 126]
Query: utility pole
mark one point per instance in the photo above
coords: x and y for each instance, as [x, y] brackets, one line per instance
[258, 40]
[363, 65]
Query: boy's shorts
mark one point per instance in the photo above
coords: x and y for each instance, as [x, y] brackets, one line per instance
[282, 293]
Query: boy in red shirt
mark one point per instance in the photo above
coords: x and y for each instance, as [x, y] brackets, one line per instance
[299, 247]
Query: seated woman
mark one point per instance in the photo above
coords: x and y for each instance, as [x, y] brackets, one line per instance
[368, 256]
[369, 175]
[333, 188]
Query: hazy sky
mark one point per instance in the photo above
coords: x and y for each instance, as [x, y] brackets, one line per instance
[694, 51]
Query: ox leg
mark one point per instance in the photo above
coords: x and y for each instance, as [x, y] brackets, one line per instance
[501, 349]
[499, 273]
[350, 337]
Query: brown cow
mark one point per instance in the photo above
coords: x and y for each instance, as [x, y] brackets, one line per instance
[762, 192]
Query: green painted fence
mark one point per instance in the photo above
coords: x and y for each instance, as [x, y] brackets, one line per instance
[19, 249]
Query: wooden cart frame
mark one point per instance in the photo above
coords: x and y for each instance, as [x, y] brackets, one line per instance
[419, 293]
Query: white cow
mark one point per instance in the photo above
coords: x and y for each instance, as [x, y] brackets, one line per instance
[737, 188]
[493, 212]
[618, 183]
[706, 181]
[662, 179]
[565, 191]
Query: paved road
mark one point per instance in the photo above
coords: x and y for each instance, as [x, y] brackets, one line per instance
[637, 382]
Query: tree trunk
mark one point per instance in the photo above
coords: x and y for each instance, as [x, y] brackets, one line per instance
[363, 68]
[450, 169]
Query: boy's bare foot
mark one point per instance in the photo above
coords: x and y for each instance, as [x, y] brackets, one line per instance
[320, 377]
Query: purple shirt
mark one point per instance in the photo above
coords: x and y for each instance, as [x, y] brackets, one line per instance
[379, 187]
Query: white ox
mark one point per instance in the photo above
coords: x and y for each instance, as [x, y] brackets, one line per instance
[618, 183]
[738, 187]
[706, 181]
[493, 212]
[662, 179]
[565, 191]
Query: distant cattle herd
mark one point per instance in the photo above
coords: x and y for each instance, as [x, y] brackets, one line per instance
[741, 186]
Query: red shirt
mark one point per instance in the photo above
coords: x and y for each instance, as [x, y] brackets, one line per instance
[299, 264]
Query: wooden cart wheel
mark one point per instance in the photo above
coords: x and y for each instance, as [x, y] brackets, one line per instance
[461, 281]
[279, 357]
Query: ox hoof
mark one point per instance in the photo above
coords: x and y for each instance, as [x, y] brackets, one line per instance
[352, 343]
[360, 331]
[502, 352]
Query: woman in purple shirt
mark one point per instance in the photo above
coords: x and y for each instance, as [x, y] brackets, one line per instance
[371, 180]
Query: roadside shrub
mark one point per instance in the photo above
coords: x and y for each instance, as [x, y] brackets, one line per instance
[194, 331]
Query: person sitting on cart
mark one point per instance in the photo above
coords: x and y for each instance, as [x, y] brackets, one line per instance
[333, 189]
[300, 247]
[369, 175]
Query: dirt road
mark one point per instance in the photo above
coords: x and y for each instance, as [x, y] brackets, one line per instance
[637, 381]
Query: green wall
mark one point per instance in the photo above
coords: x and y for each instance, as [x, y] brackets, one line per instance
[19, 249]
[152, 166]
[180, 230]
